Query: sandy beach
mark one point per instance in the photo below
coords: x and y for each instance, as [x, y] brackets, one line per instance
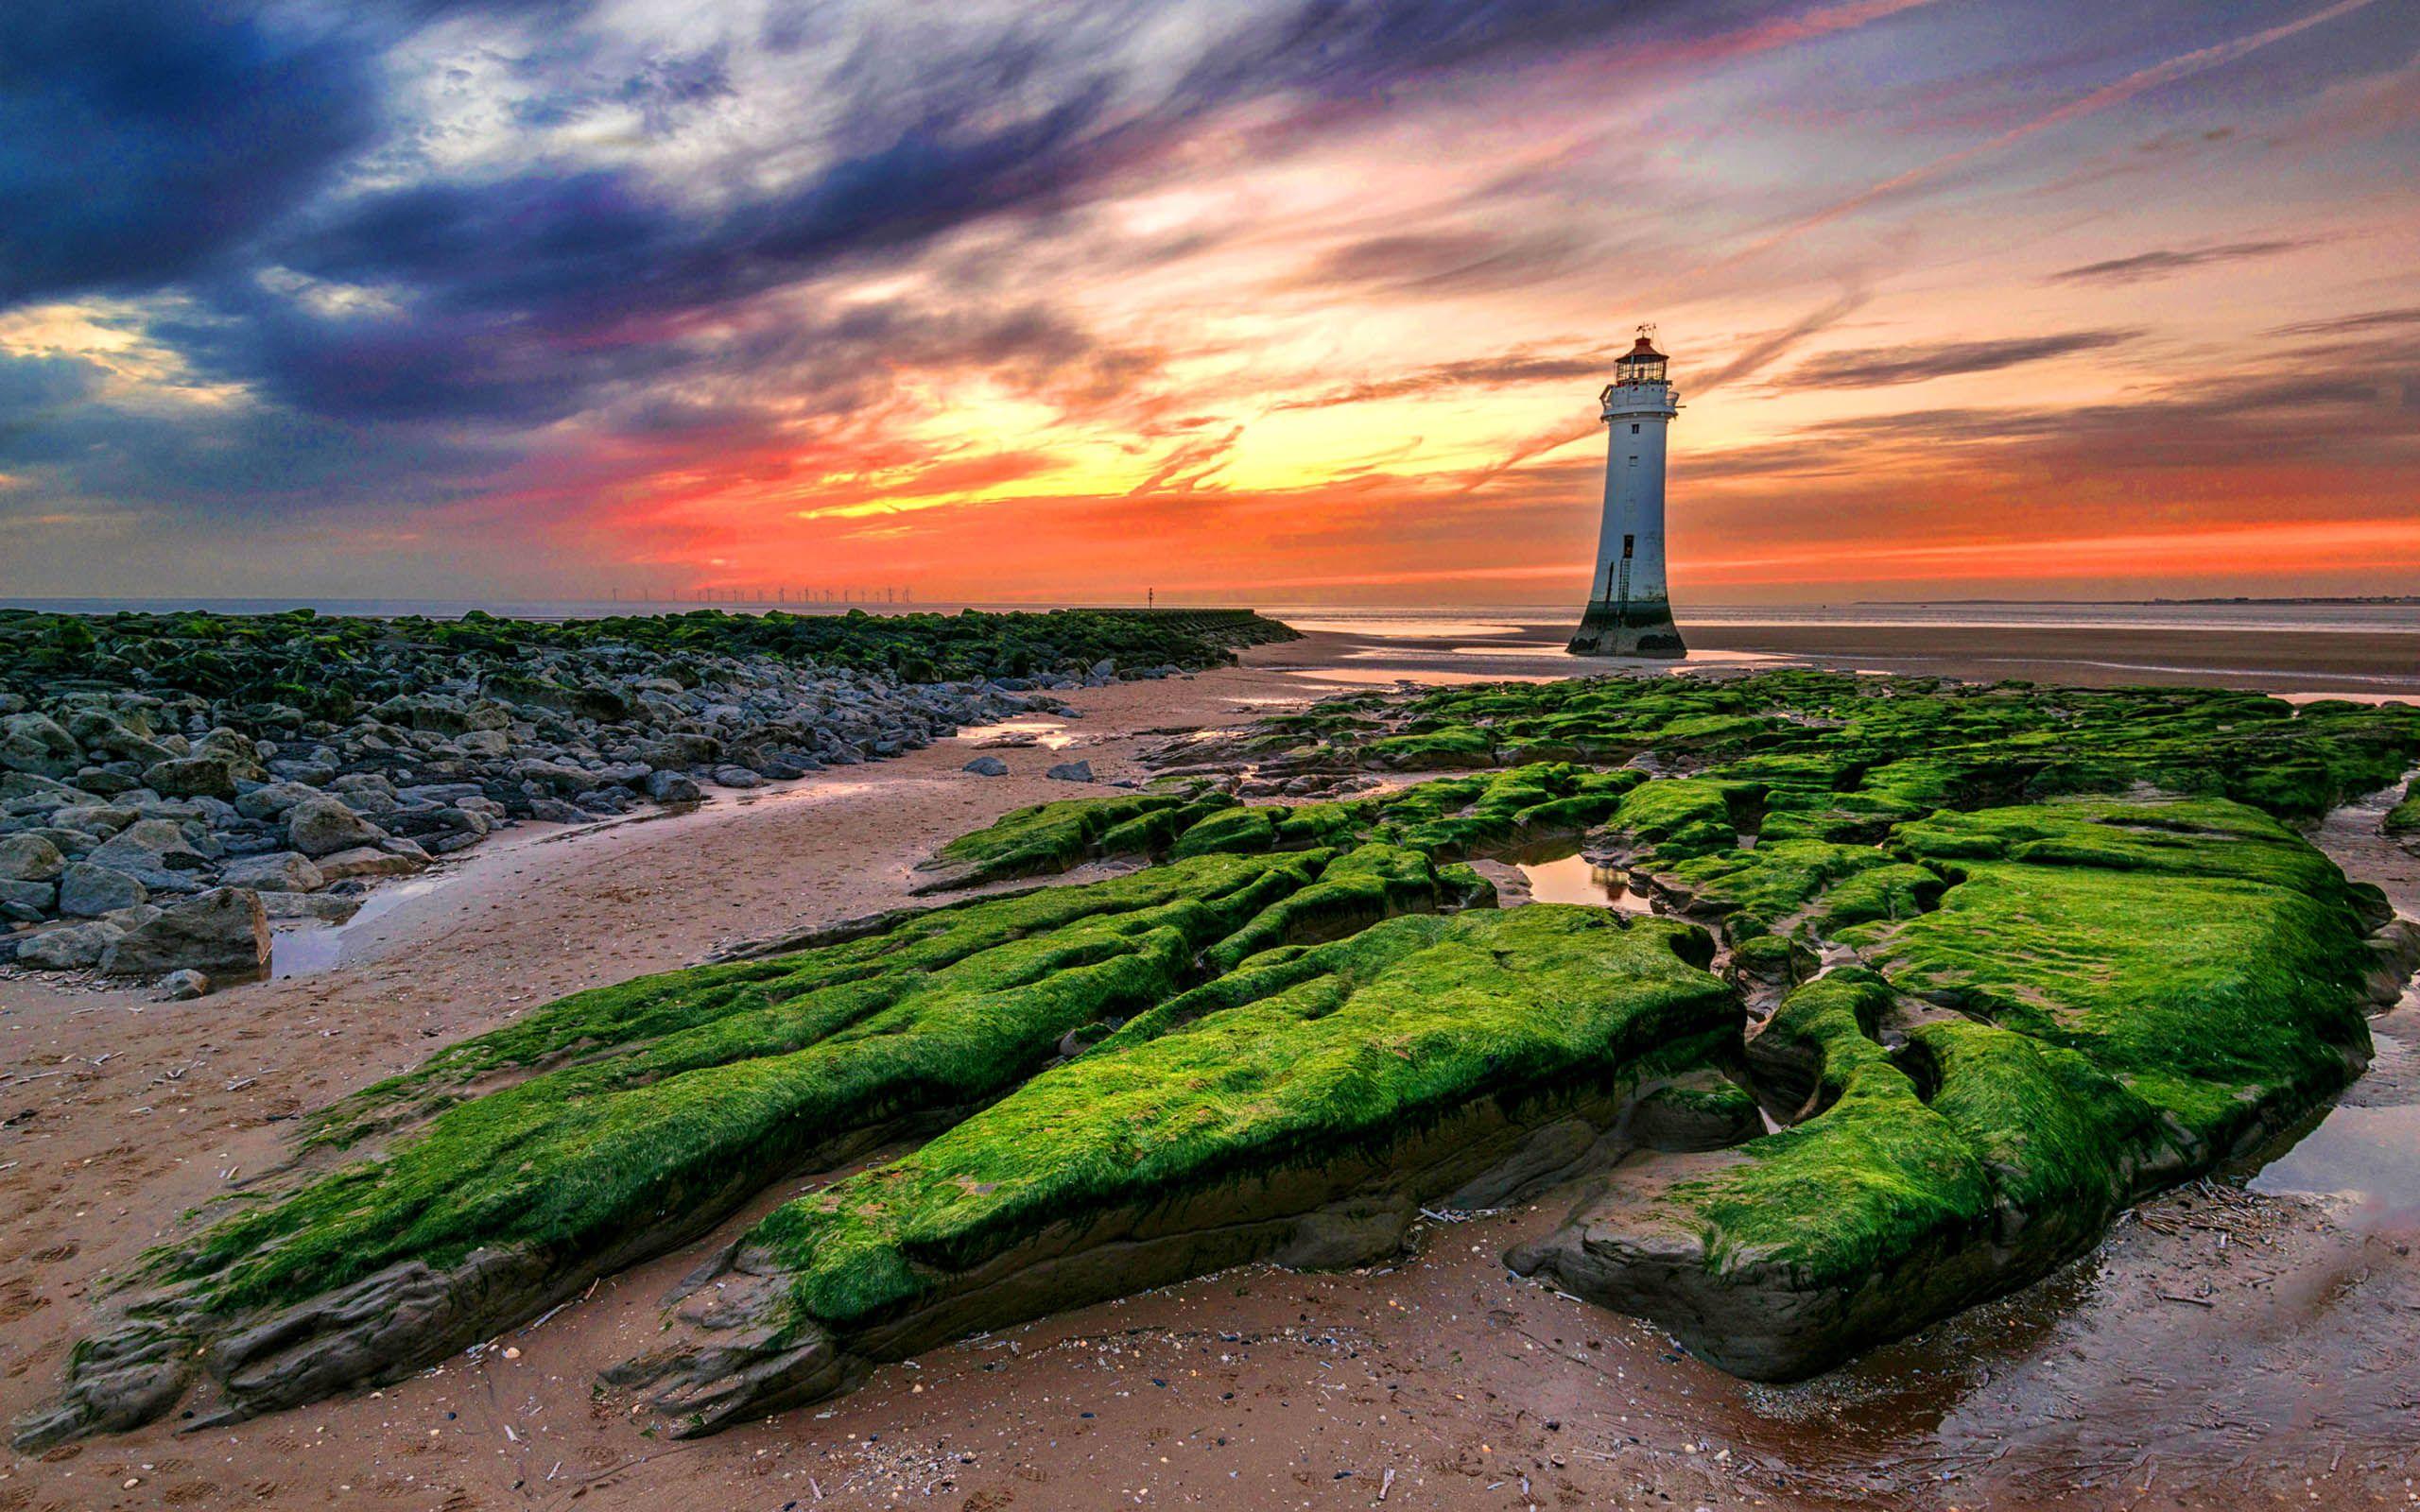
[2221, 1347]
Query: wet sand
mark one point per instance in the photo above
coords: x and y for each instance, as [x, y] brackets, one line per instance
[2220, 1348]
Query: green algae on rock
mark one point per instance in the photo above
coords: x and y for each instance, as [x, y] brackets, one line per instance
[1461, 1060]
[617, 1122]
[2111, 997]
[1450, 819]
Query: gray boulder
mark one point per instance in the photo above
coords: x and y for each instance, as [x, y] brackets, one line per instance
[680, 749]
[1071, 772]
[273, 798]
[223, 932]
[100, 820]
[32, 793]
[672, 787]
[34, 743]
[556, 776]
[736, 777]
[155, 853]
[365, 792]
[207, 776]
[278, 871]
[321, 825]
[184, 987]
[373, 861]
[108, 782]
[987, 766]
[100, 731]
[87, 891]
[29, 900]
[29, 858]
[68, 948]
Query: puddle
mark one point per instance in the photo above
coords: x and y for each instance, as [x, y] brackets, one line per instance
[1389, 677]
[302, 948]
[1571, 880]
[1405, 629]
[1050, 734]
[2363, 1154]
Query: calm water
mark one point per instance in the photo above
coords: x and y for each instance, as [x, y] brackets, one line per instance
[1421, 622]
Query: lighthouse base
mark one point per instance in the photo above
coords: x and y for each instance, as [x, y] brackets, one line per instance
[1636, 629]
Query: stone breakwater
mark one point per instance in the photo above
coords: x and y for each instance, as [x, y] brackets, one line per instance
[171, 786]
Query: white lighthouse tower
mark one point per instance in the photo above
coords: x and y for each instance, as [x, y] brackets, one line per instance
[1630, 611]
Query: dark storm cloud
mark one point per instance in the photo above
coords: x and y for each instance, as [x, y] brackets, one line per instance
[1877, 367]
[2160, 263]
[30, 386]
[141, 138]
[522, 299]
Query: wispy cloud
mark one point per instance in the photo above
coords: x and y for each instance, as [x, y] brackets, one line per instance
[1876, 367]
[2165, 260]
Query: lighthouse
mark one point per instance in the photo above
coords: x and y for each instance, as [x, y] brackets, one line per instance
[1630, 611]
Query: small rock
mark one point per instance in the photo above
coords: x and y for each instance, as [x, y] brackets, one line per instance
[1071, 772]
[183, 986]
[737, 776]
[987, 766]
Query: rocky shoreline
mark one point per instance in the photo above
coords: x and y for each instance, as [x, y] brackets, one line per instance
[172, 785]
[1966, 1002]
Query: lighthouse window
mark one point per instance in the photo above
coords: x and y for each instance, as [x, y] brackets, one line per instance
[1634, 462]
[1634, 430]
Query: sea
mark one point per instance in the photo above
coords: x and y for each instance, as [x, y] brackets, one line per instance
[1423, 621]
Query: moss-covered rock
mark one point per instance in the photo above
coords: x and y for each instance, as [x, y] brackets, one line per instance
[618, 1122]
[2111, 996]
[1332, 1091]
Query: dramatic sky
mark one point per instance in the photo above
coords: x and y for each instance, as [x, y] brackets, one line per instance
[1288, 300]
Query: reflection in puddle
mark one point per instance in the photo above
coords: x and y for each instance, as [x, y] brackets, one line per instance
[1049, 733]
[1405, 629]
[2364, 1154]
[1571, 880]
[298, 950]
[1386, 677]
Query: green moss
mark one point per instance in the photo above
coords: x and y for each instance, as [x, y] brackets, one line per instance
[669, 1110]
[1773, 887]
[1045, 838]
[2143, 988]
[1874, 1176]
[2200, 952]
[1348, 1046]
[1681, 816]
[2404, 818]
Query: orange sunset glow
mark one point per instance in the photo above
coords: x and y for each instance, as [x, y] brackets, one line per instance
[1960, 302]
